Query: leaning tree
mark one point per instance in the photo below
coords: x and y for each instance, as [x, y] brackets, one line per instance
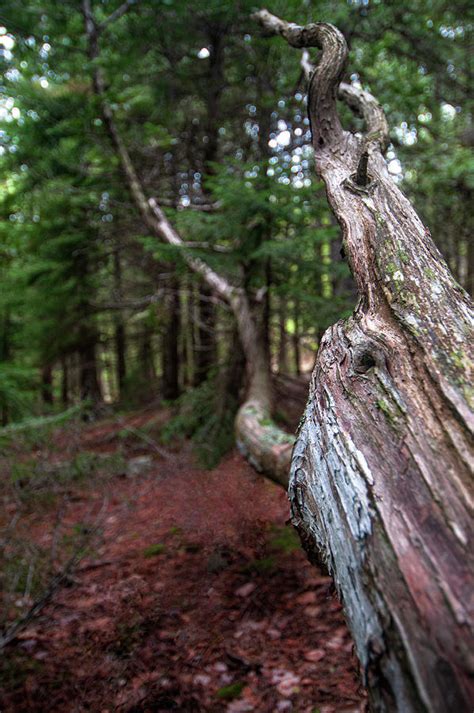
[380, 481]
[264, 444]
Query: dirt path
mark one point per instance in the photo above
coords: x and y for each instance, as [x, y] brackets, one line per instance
[198, 598]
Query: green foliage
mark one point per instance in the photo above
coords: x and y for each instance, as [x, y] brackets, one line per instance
[34, 476]
[262, 566]
[17, 385]
[154, 550]
[36, 431]
[231, 691]
[66, 213]
[285, 539]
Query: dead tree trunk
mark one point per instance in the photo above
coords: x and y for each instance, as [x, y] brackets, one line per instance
[380, 480]
[265, 445]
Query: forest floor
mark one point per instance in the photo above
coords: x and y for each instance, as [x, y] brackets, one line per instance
[192, 593]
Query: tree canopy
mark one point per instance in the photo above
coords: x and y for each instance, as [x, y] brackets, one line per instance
[213, 116]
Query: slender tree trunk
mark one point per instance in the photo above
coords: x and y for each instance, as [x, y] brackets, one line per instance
[89, 387]
[5, 356]
[296, 338]
[283, 338]
[120, 349]
[267, 311]
[381, 478]
[47, 384]
[232, 376]
[120, 338]
[205, 348]
[170, 344]
[205, 355]
[64, 381]
[187, 338]
[146, 355]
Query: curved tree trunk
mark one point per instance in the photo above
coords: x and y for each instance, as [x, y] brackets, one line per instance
[265, 445]
[380, 481]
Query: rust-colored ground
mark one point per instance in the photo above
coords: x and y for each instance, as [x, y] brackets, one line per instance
[197, 598]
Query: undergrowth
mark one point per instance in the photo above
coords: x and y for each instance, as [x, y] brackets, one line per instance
[43, 467]
[206, 419]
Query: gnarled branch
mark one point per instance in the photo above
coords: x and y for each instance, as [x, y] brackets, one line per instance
[325, 123]
[117, 14]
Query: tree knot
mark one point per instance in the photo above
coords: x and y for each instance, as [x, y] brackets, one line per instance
[351, 184]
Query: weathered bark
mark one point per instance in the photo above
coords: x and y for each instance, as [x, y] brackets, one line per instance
[380, 481]
[266, 446]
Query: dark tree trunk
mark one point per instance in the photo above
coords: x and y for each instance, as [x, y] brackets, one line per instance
[47, 384]
[232, 376]
[170, 344]
[187, 339]
[381, 480]
[4, 356]
[120, 338]
[296, 338]
[146, 355]
[283, 338]
[64, 381]
[89, 386]
[267, 311]
[205, 348]
[120, 350]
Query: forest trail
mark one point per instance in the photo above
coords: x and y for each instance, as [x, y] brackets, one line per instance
[196, 597]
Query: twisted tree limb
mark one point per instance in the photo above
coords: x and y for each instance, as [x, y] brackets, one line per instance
[381, 477]
[265, 445]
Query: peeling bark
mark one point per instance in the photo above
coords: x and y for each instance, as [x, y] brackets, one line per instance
[381, 479]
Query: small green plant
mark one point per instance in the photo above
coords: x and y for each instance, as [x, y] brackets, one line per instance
[233, 690]
[263, 565]
[154, 550]
[201, 418]
[36, 432]
[285, 539]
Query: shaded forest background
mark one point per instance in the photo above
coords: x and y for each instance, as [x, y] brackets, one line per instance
[93, 309]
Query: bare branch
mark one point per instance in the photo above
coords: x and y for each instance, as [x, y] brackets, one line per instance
[117, 14]
[202, 207]
[362, 103]
[325, 123]
[208, 246]
[131, 304]
[367, 106]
